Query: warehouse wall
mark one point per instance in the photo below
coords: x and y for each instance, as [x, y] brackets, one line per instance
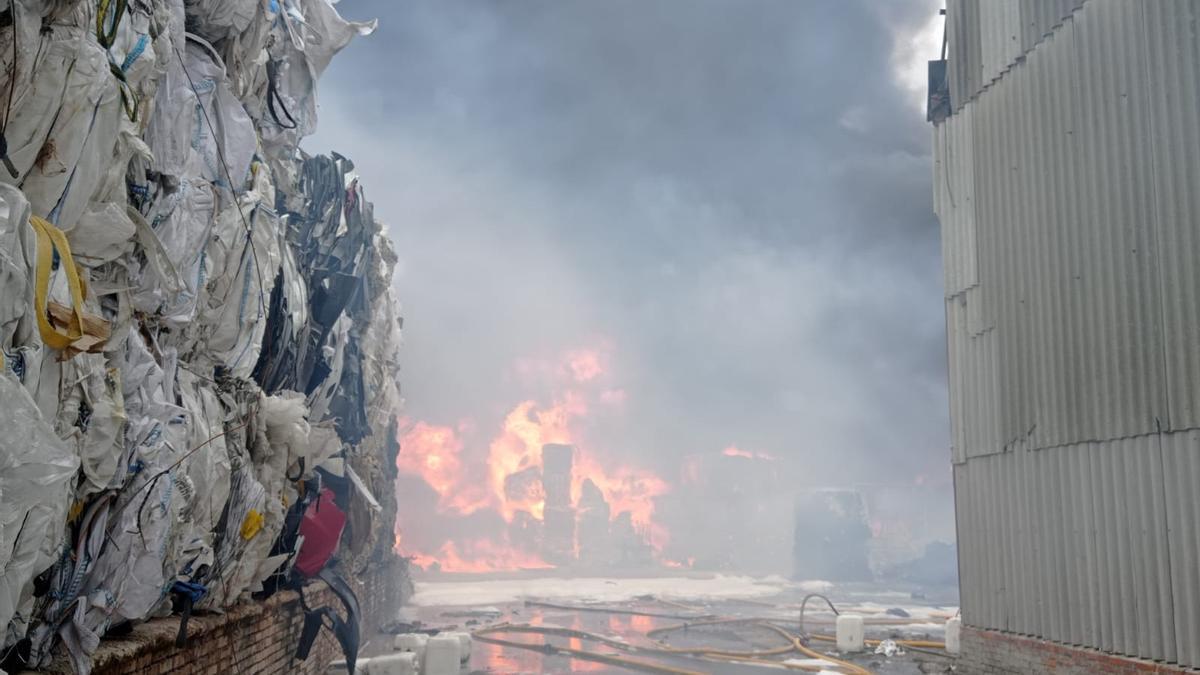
[1064, 187]
[996, 653]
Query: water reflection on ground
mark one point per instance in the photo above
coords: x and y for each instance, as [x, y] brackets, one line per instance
[891, 614]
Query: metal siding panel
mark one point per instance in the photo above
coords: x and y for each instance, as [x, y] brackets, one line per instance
[1076, 334]
[999, 37]
[987, 37]
[962, 20]
[1040, 17]
[1172, 70]
[1115, 287]
[1181, 460]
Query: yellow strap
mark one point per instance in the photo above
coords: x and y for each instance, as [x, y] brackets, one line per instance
[49, 239]
[251, 524]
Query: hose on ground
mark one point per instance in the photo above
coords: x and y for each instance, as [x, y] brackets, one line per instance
[637, 665]
[795, 643]
[804, 604]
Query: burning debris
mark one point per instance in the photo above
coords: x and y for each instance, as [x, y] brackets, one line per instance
[539, 498]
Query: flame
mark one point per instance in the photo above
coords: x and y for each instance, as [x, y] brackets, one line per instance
[641, 624]
[519, 447]
[734, 451]
[434, 453]
[477, 556]
[584, 365]
[625, 488]
[510, 482]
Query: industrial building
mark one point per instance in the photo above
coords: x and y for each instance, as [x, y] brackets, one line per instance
[1067, 184]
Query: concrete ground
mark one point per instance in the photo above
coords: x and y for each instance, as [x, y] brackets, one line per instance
[912, 614]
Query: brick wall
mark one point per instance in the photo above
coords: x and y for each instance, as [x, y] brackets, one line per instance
[254, 637]
[987, 652]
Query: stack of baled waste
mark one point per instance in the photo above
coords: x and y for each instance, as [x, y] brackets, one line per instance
[196, 318]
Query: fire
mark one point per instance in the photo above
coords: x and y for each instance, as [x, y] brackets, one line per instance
[734, 451]
[511, 482]
[519, 448]
[584, 365]
[626, 489]
[434, 453]
[478, 556]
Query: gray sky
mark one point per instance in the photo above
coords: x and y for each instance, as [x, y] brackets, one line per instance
[732, 195]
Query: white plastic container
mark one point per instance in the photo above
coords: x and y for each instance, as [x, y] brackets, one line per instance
[441, 655]
[849, 633]
[954, 636]
[464, 645]
[404, 663]
[411, 642]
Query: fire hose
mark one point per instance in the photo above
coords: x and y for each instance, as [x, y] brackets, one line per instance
[795, 643]
[483, 635]
[755, 656]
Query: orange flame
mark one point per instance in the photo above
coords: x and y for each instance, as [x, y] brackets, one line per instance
[519, 447]
[512, 484]
[478, 556]
[625, 489]
[434, 454]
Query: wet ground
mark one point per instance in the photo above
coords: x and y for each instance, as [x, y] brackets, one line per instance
[678, 614]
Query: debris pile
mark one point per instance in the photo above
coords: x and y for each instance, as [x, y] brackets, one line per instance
[198, 329]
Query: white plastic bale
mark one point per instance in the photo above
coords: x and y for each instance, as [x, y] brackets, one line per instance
[29, 124]
[192, 102]
[58, 616]
[315, 32]
[245, 55]
[16, 242]
[128, 581]
[19, 83]
[182, 223]
[150, 392]
[208, 468]
[229, 576]
[215, 20]
[91, 416]
[35, 480]
[242, 269]
[83, 114]
[106, 229]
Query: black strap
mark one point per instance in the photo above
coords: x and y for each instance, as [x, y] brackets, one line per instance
[273, 97]
[308, 635]
[181, 636]
[299, 472]
[346, 632]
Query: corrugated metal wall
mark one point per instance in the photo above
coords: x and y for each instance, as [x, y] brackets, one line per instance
[1091, 544]
[986, 37]
[1068, 189]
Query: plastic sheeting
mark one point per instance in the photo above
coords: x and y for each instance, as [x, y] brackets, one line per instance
[224, 302]
[35, 474]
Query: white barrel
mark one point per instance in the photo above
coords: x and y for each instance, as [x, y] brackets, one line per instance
[403, 663]
[441, 655]
[464, 645]
[954, 636]
[849, 633]
[411, 642]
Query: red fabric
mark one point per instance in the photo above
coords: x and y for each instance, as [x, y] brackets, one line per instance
[321, 528]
